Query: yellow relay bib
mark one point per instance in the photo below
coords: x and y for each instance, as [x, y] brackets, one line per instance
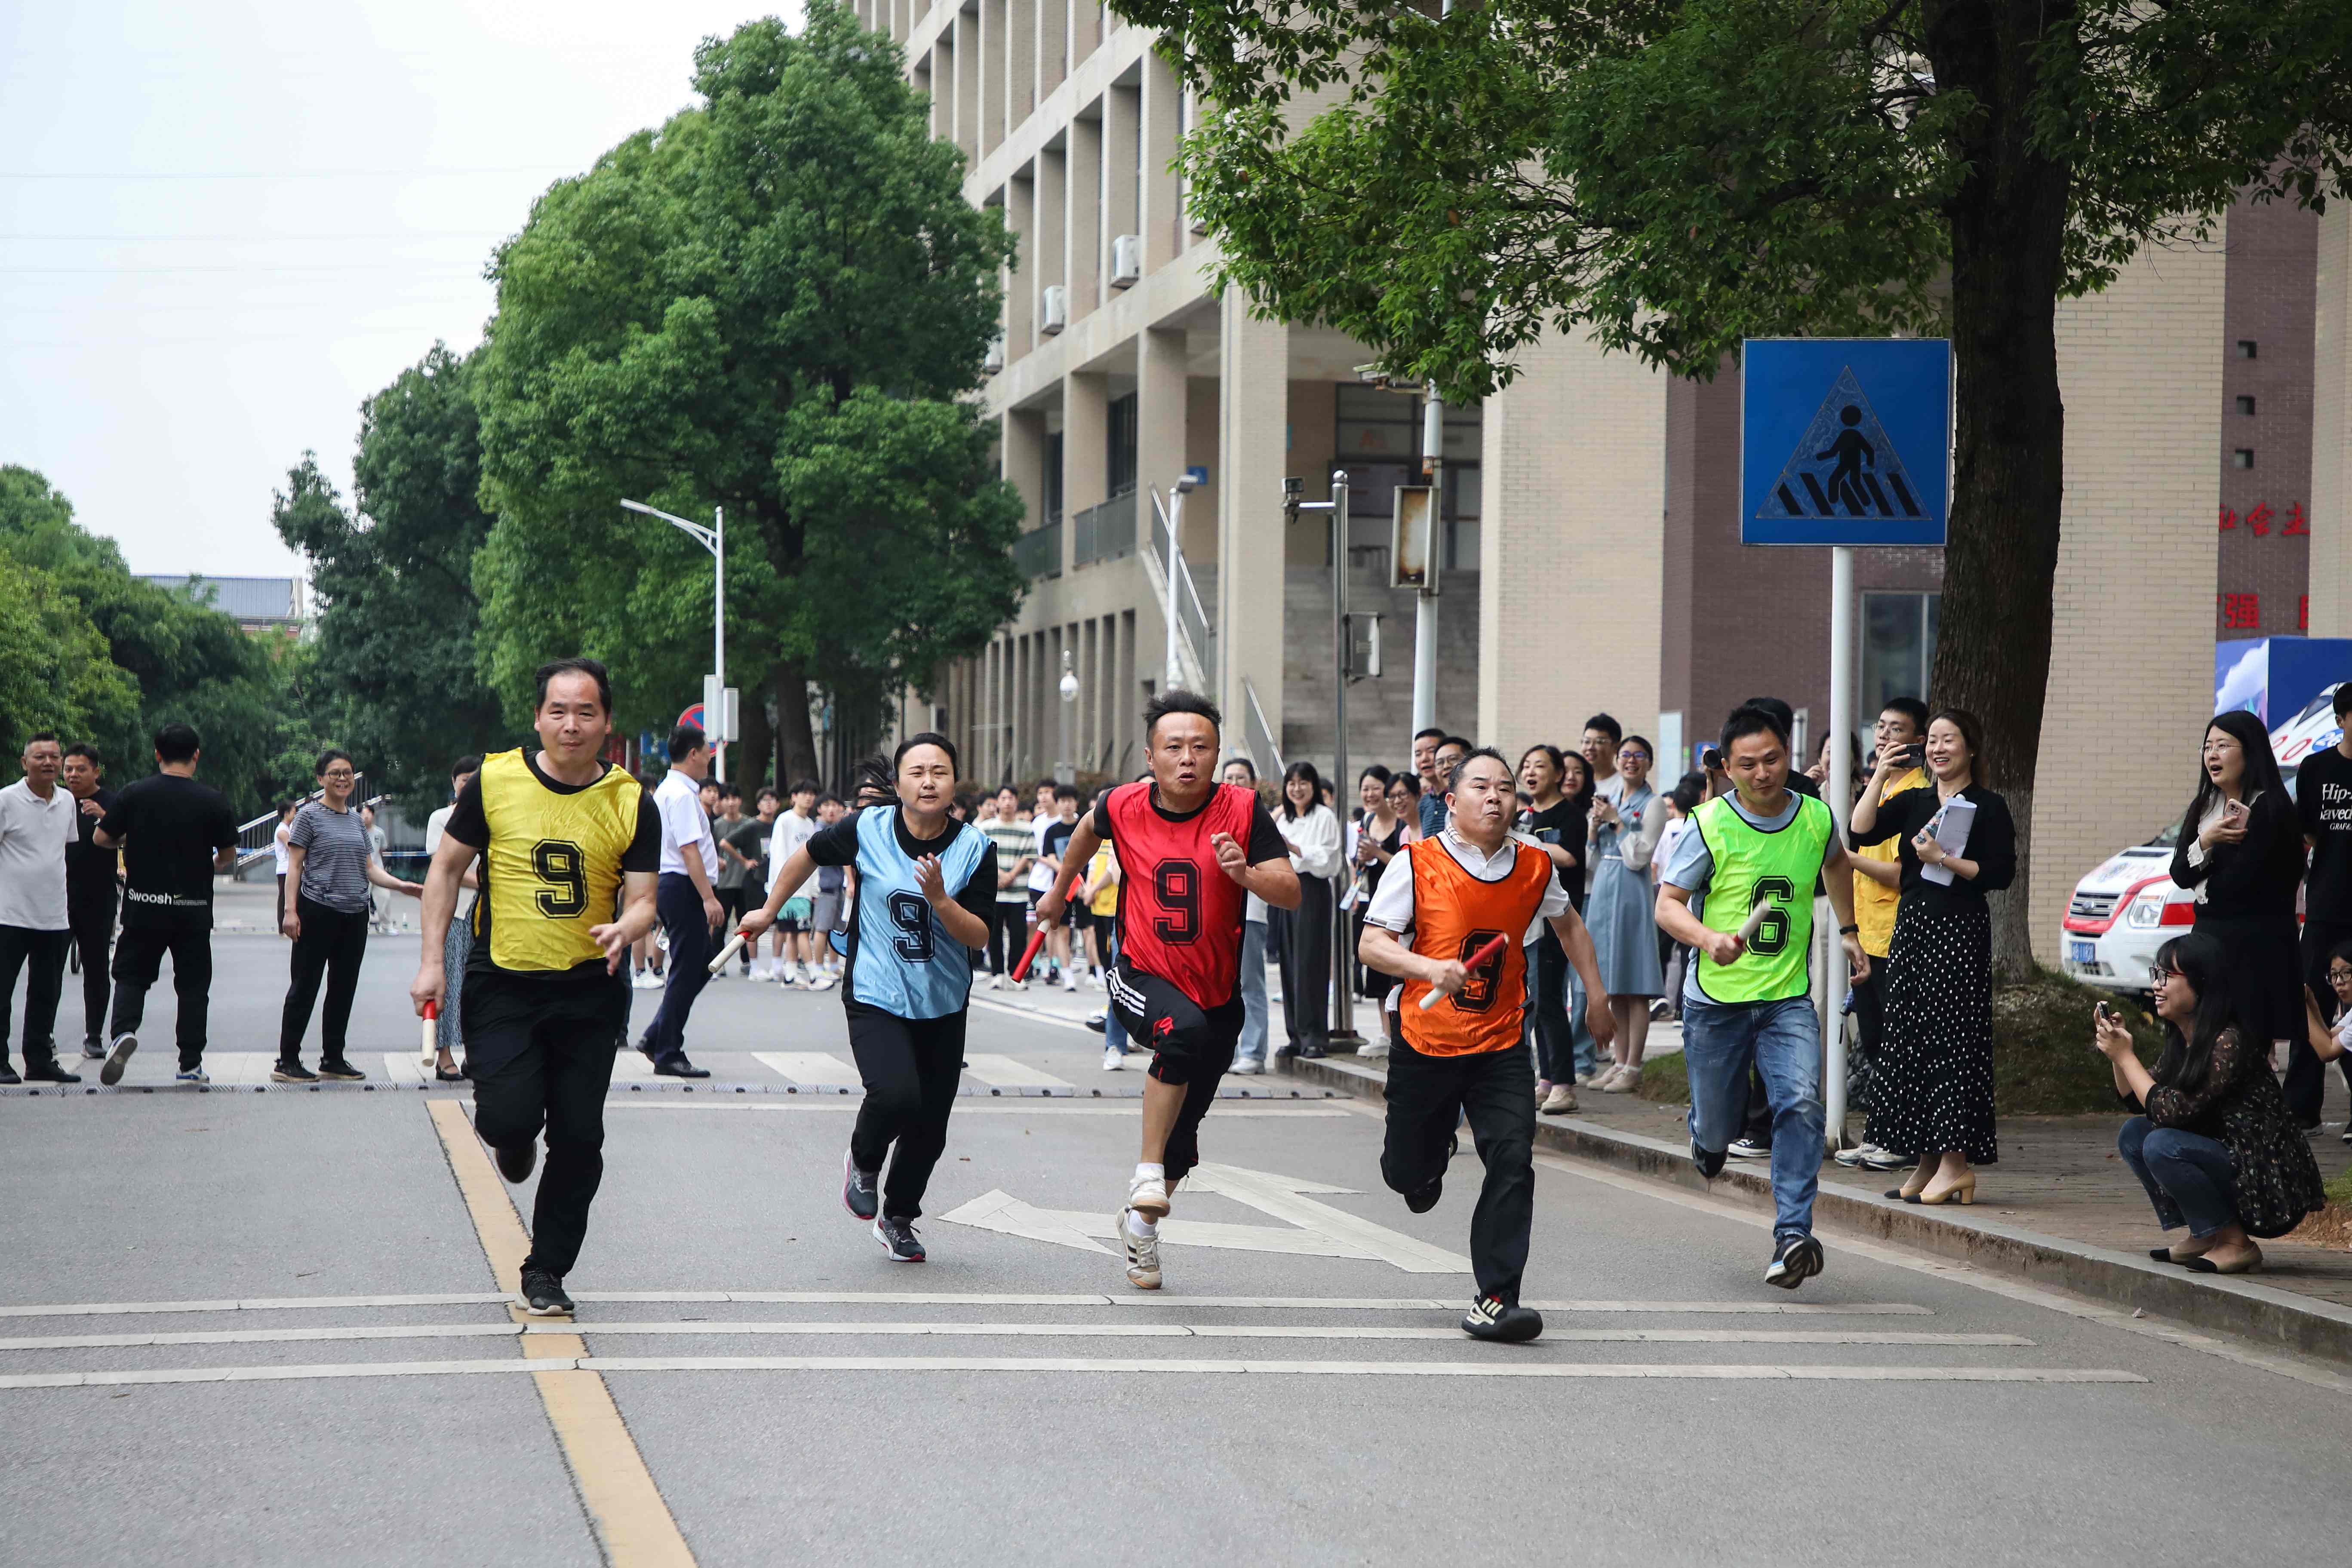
[552, 867]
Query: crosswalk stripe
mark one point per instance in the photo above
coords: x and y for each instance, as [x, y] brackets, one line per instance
[953, 1298]
[1003, 1072]
[1185, 1366]
[815, 1068]
[403, 1068]
[1025, 1105]
[852, 1329]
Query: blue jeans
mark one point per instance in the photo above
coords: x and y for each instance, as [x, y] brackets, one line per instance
[1253, 1042]
[1782, 1040]
[1584, 1050]
[2187, 1174]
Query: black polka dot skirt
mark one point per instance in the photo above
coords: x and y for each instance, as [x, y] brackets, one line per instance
[1931, 1085]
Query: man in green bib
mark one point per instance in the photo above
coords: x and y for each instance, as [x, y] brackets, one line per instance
[1747, 999]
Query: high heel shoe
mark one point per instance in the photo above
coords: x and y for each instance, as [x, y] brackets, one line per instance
[1906, 1192]
[1963, 1191]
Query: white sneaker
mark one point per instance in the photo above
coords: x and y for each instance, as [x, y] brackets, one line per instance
[1148, 1195]
[193, 1075]
[1246, 1069]
[1620, 1079]
[821, 981]
[996, 982]
[1070, 980]
[1142, 1257]
[1560, 1101]
[1114, 1060]
[1373, 1051]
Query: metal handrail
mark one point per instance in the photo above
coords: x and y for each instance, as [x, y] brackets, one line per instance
[1257, 735]
[257, 840]
[1184, 598]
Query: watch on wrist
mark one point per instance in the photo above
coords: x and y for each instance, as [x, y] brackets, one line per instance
[1848, 931]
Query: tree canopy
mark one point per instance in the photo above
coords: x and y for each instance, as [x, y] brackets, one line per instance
[775, 304]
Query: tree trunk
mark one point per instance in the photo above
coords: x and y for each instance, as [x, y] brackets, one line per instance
[795, 741]
[2009, 220]
[757, 753]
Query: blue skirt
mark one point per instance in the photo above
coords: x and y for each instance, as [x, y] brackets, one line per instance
[1624, 933]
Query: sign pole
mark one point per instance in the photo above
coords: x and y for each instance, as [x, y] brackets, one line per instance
[1840, 803]
[1424, 602]
[1342, 1021]
[719, 641]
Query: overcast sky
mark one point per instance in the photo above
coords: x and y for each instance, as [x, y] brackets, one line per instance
[223, 226]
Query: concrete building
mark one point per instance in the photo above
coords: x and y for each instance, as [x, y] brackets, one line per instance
[256, 604]
[1591, 523]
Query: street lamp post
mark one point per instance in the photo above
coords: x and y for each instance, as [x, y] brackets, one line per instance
[1069, 688]
[714, 540]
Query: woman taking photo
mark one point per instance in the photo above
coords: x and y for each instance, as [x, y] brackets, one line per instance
[2241, 848]
[1313, 834]
[1555, 819]
[1374, 839]
[2215, 1144]
[1931, 1089]
[1626, 820]
[330, 864]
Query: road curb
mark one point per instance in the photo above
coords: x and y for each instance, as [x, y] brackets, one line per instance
[2235, 1306]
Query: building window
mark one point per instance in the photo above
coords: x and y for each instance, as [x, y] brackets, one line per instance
[1899, 649]
[1122, 454]
[2246, 349]
[1053, 486]
[2244, 457]
[2246, 405]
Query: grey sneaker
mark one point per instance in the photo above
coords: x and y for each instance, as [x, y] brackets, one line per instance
[125, 1045]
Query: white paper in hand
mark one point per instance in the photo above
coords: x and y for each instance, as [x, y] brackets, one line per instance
[1950, 828]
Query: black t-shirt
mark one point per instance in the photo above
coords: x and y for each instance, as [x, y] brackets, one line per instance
[1057, 838]
[750, 839]
[1564, 824]
[89, 870]
[836, 844]
[469, 824]
[2323, 798]
[169, 828]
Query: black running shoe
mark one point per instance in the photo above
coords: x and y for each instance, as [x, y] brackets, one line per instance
[678, 1066]
[1709, 1163]
[92, 1047]
[542, 1294]
[899, 1239]
[287, 1072]
[515, 1164]
[1795, 1259]
[857, 1193]
[1505, 1323]
[341, 1072]
[48, 1071]
[7, 1073]
[1423, 1199]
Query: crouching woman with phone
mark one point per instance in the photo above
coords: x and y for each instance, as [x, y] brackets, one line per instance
[2213, 1144]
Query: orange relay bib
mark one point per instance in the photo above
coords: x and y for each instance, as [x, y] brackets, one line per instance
[1454, 915]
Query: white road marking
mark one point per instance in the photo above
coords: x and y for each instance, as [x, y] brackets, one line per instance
[969, 1107]
[1003, 1072]
[850, 1329]
[1179, 1365]
[404, 1069]
[812, 1067]
[958, 1298]
[1030, 1013]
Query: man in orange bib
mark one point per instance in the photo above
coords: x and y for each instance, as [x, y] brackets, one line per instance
[1466, 1055]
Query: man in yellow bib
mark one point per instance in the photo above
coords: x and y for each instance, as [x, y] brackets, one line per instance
[1750, 860]
[569, 846]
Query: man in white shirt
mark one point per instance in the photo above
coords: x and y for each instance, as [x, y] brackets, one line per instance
[37, 820]
[685, 896]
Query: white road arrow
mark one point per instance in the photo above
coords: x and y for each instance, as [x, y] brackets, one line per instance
[1314, 1230]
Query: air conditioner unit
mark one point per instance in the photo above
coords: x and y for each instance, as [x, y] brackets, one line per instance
[993, 359]
[1126, 260]
[1053, 310]
[1199, 224]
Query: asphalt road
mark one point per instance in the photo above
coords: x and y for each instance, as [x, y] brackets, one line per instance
[1296, 1394]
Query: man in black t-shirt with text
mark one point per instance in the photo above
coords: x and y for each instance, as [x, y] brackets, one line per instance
[2323, 796]
[174, 833]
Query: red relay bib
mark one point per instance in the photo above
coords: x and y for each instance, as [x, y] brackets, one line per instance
[1180, 916]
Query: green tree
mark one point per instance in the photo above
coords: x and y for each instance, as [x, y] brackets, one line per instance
[393, 579]
[776, 304]
[54, 669]
[1675, 177]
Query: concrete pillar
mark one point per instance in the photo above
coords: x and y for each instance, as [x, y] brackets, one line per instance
[938, 81]
[2331, 431]
[1253, 418]
[1053, 44]
[1086, 450]
[1047, 259]
[992, 86]
[1020, 62]
[1082, 227]
[2137, 549]
[1020, 285]
[966, 32]
[1161, 202]
[1022, 460]
[1573, 535]
[1159, 414]
[1086, 28]
[1121, 122]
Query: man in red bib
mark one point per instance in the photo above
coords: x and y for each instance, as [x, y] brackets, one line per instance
[1191, 850]
[1467, 1055]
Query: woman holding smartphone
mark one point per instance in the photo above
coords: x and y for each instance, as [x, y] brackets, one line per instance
[2241, 848]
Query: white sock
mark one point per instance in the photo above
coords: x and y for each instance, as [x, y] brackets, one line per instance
[1147, 1172]
[1139, 1227]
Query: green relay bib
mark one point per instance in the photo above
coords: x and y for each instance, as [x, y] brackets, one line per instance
[1754, 867]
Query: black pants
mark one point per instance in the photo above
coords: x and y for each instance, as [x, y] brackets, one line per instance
[2306, 1075]
[1306, 965]
[542, 1058]
[1547, 1002]
[680, 907]
[45, 952]
[1870, 1026]
[332, 944]
[912, 1068]
[1192, 1046]
[91, 916]
[1007, 930]
[1427, 1096]
[139, 960]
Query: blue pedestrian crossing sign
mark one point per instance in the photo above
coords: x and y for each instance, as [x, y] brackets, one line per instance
[1846, 440]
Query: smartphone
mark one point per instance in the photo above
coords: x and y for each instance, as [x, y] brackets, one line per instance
[2234, 812]
[2104, 1014]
